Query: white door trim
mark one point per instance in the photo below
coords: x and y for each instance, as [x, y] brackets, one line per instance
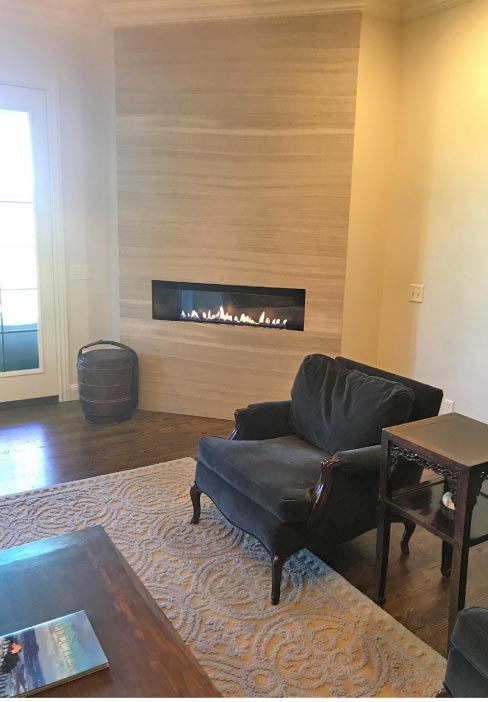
[51, 90]
[59, 257]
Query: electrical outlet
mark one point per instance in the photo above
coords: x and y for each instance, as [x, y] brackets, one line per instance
[447, 406]
[416, 292]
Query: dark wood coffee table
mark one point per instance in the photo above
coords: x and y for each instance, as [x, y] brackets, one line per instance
[84, 570]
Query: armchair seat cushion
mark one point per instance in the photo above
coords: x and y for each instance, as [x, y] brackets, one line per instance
[278, 474]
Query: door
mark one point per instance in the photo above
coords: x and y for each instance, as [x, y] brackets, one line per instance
[28, 363]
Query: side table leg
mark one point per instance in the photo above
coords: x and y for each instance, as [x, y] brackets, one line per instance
[446, 564]
[457, 595]
[382, 552]
[468, 487]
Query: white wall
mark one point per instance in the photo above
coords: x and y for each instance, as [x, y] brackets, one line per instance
[373, 186]
[44, 44]
[441, 233]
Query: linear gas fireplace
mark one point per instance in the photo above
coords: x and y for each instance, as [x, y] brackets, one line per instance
[241, 305]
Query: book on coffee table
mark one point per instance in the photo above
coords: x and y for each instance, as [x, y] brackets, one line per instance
[49, 654]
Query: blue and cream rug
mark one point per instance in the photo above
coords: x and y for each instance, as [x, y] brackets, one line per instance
[325, 639]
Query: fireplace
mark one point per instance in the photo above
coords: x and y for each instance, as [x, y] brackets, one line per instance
[238, 305]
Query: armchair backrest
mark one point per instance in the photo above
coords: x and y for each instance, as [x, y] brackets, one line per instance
[427, 400]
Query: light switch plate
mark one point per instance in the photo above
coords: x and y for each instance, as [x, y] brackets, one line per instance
[416, 293]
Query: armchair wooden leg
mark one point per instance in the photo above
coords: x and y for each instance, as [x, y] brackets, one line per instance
[446, 562]
[407, 535]
[443, 692]
[195, 495]
[277, 568]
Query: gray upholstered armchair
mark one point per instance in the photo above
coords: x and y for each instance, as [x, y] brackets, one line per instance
[467, 665]
[304, 473]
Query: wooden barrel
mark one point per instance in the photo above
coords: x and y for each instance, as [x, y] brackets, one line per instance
[108, 382]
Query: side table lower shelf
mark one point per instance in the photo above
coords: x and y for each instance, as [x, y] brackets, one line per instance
[422, 505]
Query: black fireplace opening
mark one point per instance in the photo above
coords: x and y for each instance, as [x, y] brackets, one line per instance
[239, 305]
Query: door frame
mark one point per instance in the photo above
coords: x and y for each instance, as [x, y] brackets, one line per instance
[51, 89]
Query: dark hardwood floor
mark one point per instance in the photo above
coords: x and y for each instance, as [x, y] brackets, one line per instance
[50, 444]
[46, 445]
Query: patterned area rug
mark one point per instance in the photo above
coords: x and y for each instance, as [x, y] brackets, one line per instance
[325, 638]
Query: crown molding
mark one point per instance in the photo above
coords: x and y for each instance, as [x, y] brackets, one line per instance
[122, 13]
[144, 12]
[86, 15]
[416, 9]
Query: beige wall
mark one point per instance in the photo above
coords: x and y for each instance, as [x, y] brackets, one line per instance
[52, 46]
[441, 234]
[235, 145]
[374, 186]
[418, 207]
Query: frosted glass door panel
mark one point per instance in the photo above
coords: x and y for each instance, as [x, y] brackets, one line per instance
[16, 167]
[19, 304]
[29, 341]
[18, 260]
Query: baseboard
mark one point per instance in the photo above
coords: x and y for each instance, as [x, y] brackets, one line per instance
[73, 393]
[30, 402]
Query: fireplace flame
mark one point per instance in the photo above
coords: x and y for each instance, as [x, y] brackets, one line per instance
[223, 317]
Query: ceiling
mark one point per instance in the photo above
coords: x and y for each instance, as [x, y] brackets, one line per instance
[414, 9]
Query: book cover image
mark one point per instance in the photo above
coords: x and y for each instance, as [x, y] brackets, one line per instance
[48, 654]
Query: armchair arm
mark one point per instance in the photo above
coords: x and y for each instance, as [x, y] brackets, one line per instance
[366, 461]
[264, 420]
[322, 490]
[336, 469]
[347, 490]
[359, 462]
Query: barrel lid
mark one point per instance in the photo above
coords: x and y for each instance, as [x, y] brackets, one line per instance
[105, 358]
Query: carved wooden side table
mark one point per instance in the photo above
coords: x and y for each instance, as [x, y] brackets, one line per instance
[456, 448]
